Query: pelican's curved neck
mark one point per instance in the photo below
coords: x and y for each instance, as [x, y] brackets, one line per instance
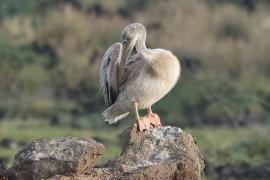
[140, 45]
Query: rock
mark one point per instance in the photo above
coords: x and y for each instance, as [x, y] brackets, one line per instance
[63, 156]
[3, 175]
[93, 174]
[161, 153]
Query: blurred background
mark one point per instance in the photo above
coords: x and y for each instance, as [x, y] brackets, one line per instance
[51, 50]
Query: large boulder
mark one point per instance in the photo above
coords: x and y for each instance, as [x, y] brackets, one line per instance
[64, 156]
[159, 153]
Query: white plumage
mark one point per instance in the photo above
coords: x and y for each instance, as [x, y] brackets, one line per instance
[137, 83]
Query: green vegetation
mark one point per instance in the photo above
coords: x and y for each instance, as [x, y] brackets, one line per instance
[50, 53]
[234, 145]
[220, 146]
[19, 133]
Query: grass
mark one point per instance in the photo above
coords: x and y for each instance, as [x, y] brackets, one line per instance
[223, 49]
[220, 145]
[225, 145]
[49, 68]
[32, 130]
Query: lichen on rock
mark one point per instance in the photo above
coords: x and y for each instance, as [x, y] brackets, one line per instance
[164, 153]
[159, 153]
[65, 156]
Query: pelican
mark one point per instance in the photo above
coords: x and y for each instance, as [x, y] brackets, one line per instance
[136, 82]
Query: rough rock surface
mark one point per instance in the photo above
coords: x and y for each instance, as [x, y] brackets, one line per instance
[159, 153]
[64, 156]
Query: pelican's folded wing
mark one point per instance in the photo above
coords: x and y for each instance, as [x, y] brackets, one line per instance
[132, 70]
[109, 73]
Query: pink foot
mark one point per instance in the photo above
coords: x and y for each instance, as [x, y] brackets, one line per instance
[143, 123]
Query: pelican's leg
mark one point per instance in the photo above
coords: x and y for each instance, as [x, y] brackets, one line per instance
[143, 122]
[154, 118]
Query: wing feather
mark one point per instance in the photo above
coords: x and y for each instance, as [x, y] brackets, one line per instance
[132, 71]
[109, 73]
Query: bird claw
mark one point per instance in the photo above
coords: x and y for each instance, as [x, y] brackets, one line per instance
[143, 123]
[154, 119]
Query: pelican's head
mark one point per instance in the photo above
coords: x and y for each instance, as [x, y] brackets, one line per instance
[132, 32]
[129, 37]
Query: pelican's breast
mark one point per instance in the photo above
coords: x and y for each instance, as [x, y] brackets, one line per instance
[159, 77]
[165, 66]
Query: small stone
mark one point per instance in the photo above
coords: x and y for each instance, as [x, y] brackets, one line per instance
[58, 156]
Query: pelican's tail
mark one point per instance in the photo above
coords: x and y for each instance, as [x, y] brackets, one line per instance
[112, 115]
